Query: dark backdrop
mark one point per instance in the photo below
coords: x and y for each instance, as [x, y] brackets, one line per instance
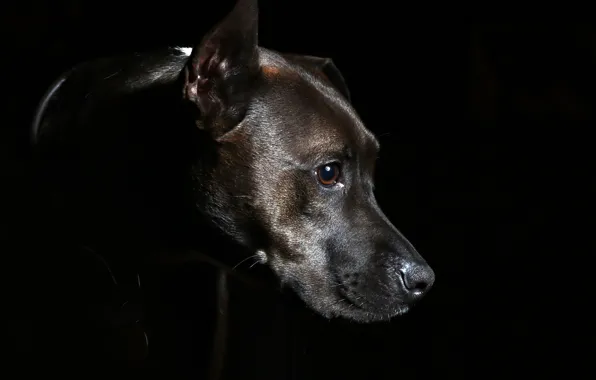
[484, 151]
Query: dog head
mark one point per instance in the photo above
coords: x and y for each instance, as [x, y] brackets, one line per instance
[291, 176]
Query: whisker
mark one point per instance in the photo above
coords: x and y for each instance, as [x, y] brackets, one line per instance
[112, 75]
[246, 259]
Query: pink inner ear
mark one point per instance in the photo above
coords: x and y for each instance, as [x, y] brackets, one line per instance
[197, 82]
[202, 84]
[200, 61]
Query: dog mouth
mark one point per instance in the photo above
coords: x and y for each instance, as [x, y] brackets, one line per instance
[342, 297]
[355, 310]
[338, 301]
[358, 306]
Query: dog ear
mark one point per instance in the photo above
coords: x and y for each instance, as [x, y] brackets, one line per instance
[220, 71]
[324, 66]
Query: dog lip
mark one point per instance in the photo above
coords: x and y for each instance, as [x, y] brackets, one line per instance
[351, 302]
[389, 310]
[341, 293]
[371, 315]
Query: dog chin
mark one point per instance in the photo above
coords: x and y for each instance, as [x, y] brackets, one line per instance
[336, 306]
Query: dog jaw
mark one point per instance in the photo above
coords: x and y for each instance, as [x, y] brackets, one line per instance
[316, 287]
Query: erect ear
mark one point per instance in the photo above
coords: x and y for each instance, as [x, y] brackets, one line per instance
[220, 72]
[323, 67]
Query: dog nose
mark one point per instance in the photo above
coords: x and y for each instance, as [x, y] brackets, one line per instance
[417, 279]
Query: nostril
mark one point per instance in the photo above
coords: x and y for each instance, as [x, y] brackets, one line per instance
[415, 285]
[418, 286]
[412, 284]
[417, 280]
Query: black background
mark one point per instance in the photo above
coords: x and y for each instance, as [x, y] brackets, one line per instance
[485, 159]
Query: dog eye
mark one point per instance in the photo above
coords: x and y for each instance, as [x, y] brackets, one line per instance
[328, 174]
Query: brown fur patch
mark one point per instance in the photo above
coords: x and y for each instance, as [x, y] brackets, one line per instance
[270, 71]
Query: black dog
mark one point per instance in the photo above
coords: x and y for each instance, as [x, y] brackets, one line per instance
[263, 147]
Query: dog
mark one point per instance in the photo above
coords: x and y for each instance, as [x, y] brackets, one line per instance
[255, 148]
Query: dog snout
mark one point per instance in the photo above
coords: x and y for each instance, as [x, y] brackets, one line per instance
[417, 279]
